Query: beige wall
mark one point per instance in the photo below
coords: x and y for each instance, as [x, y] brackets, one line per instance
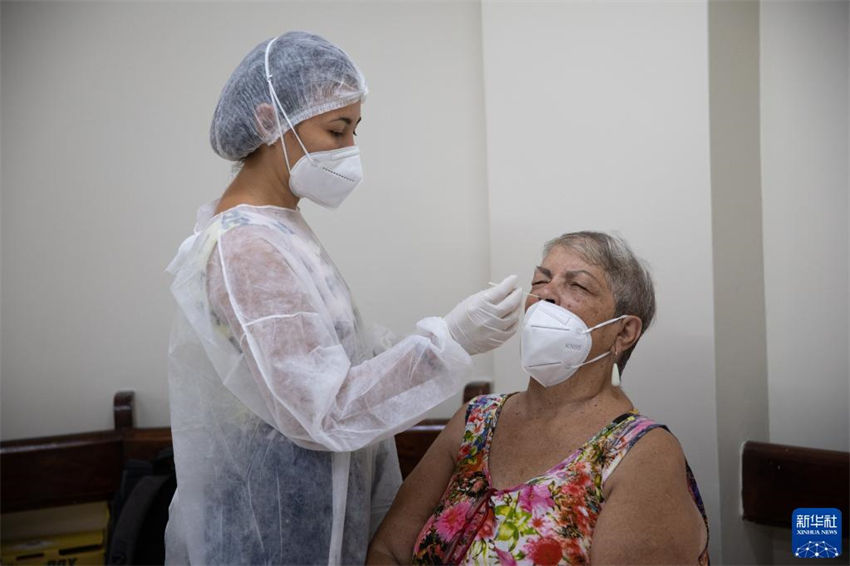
[612, 136]
[105, 111]
[490, 127]
[804, 105]
[741, 366]
[805, 67]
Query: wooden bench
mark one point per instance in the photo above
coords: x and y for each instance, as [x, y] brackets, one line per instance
[52, 471]
[776, 479]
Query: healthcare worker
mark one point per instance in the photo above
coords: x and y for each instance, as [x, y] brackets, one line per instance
[283, 407]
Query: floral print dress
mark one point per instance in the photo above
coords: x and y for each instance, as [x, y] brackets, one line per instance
[547, 520]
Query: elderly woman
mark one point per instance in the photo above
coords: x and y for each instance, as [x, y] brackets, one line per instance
[567, 471]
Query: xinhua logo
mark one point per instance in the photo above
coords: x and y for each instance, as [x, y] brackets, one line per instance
[816, 532]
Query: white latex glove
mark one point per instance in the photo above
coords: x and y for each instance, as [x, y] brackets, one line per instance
[488, 318]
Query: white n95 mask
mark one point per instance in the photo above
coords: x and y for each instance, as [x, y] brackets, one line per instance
[325, 177]
[555, 342]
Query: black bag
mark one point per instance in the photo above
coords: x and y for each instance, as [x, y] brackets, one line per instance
[139, 511]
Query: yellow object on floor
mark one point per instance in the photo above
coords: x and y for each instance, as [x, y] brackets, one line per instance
[74, 549]
[73, 535]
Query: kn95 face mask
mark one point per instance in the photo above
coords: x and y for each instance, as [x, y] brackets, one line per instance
[325, 177]
[555, 343]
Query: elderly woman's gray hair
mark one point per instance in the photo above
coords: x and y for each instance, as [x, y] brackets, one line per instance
[627, 276]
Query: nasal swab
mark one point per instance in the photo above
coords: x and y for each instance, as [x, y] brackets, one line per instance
[529, 294]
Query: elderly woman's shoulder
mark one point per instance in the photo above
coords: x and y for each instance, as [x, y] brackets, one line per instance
[652, 487]
[657, 454]
[659, 445]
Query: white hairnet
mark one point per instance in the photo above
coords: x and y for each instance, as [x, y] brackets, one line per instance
[310, 76]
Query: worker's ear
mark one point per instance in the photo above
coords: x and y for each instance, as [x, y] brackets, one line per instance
[265, 115]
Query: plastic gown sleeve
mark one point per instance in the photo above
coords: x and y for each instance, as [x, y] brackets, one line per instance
[288, 335]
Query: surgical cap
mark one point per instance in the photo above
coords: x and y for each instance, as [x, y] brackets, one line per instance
[310, 76]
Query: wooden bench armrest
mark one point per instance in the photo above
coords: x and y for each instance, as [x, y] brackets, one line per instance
[776, 479]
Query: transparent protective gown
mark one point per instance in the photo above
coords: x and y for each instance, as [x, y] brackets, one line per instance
[282, 406]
